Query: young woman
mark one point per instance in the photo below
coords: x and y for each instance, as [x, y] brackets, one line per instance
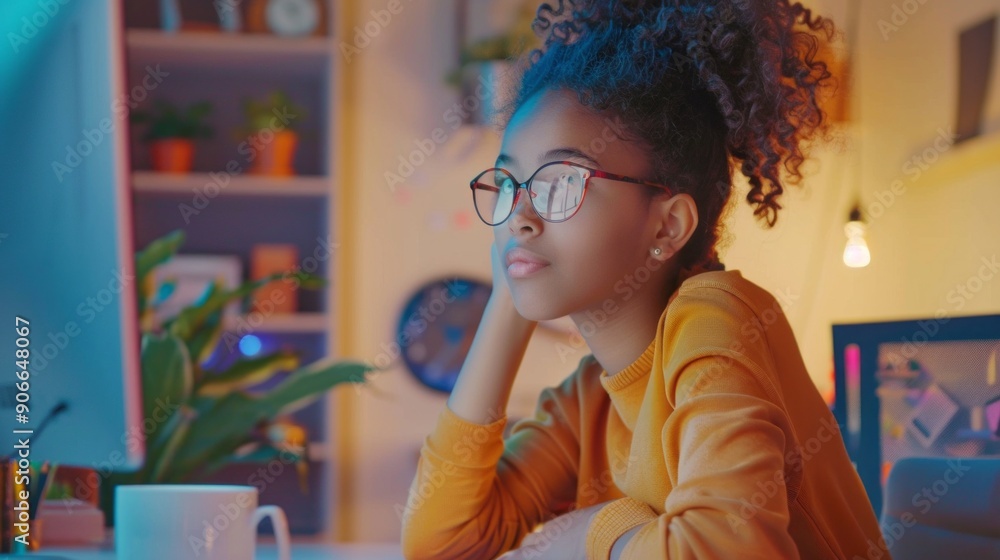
[692, 430]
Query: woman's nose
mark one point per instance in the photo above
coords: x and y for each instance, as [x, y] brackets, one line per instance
[523, 215]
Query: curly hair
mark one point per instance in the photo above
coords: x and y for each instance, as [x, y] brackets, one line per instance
[702, 85]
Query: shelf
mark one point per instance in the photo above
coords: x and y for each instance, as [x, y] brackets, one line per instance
[239, 185]
[282, 323]
[896, 391]
[985, 435]
[223, 69]
[958, 161]
[257, 52]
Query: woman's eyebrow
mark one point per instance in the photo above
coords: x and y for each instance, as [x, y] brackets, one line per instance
[504, 159]
[554, 154]
[562, 153]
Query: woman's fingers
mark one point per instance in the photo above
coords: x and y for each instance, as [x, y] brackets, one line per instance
[530, 540]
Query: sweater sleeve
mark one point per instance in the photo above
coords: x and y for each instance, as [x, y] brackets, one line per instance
[724, 447]
[476, 495]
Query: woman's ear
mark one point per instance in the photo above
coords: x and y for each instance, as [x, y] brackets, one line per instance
[679, 220]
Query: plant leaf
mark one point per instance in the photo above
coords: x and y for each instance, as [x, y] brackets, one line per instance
[307, 384]
[205, 337]
[201, 404]
[176, 434]
[246, 373]
[166, 377]
[264, 453]
[164, 291]
[204, 342]
[217, 432]
[156, 253]
[189, 319]
[155, 447]
[220, 429]
[260, 114]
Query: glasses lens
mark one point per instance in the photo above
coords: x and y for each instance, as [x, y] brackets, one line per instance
[493, 195]
[557, 191]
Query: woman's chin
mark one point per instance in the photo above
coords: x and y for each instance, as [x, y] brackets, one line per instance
[535, 308]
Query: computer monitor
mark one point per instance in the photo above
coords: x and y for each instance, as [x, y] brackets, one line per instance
[67, 288]
[916, 388]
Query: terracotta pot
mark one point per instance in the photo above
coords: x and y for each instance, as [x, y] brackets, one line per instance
[275, 153]
[172, 155]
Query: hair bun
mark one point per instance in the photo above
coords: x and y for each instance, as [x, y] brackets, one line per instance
[706, 86]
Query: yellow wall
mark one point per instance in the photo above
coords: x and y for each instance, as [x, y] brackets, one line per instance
[930, 238]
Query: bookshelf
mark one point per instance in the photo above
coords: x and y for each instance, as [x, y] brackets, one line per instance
[243, 209]
[248, 52]
[291, 323]
[243, 185]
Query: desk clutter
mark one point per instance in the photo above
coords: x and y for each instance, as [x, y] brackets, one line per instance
[41, 506]
[71, 522]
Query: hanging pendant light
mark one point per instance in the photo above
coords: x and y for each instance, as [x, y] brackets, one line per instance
[856, 253]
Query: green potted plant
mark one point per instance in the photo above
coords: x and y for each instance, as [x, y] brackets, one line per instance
[486, 67]
[171, 132]
[271, 128]
[214, 417]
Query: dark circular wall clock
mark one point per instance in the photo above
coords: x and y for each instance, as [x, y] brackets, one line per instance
[437, 326]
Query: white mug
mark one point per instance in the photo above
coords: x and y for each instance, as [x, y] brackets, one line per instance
[192, 521]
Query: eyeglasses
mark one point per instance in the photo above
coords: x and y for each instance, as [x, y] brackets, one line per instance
[556, 191]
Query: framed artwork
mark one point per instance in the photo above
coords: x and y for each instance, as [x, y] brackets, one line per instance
[229, 13]
[190, 276]
[976, 62]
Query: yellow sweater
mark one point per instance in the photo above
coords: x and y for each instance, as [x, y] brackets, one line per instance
[715, 439]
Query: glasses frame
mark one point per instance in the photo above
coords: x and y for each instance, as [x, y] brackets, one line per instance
[591, 173]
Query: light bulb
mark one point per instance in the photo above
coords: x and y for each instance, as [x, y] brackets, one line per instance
[856, 253]
[250, 345]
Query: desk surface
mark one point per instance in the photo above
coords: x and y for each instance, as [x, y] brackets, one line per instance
[265, 551]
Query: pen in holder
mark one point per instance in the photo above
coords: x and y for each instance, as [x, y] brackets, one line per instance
[16, 508]
[6, 505]
[22, 490]
[15, 514]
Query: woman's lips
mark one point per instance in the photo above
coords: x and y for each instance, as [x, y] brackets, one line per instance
[522, 269]
[522, 262]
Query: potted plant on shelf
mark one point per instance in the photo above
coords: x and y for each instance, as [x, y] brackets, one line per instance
[486, 67]
[171, 133]
[215, 417]
[270, 129]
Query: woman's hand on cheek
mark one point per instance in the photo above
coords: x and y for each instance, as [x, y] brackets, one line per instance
[562, 538]
[499, 277]
[500, 297]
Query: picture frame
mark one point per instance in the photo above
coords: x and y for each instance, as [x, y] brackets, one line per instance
[229, 13]
[192, 275]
